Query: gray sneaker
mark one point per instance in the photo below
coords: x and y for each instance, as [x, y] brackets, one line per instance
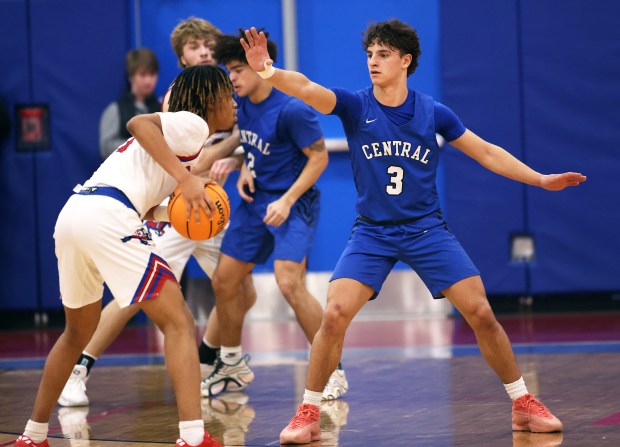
[225, 377]
[336, 387]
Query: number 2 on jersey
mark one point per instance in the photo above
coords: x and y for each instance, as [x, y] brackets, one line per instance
[250, 164]
[395, 187]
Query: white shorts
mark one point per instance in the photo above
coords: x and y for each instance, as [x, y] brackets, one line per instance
[176, 249]
[99, 239]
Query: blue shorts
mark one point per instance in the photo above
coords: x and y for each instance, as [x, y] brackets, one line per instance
[426, 245]
[248, 239]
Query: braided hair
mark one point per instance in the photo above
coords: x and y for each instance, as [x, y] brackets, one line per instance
[199, 89]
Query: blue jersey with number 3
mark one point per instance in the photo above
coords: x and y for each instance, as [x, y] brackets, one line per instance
[394, 166]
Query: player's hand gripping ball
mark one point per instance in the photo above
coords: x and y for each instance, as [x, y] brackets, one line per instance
[207, 228]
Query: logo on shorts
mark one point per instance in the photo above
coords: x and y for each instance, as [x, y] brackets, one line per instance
[156, 228]
[142, 235]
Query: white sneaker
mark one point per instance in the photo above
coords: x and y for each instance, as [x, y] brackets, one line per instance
[74, 392]
[337, 385]
[225, 377]
[206, 370]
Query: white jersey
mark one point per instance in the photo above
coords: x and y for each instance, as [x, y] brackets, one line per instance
[133, 171]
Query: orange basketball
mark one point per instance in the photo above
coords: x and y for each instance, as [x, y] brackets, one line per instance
[207, 228]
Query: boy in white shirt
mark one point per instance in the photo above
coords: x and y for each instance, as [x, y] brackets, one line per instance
[100, 238]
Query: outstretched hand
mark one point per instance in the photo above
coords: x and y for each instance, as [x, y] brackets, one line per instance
[557, 182]
[255, 46]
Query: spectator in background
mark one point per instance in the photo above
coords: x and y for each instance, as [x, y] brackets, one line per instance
[142, 71]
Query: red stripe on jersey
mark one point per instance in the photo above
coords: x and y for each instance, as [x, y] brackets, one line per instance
[189, 157]
[123, 147]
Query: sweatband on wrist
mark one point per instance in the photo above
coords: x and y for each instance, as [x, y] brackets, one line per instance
[267, 72]
[160, 214]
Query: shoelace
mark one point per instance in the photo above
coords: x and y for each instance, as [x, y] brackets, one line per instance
[300, 418]
[219, 365]
[536, 407]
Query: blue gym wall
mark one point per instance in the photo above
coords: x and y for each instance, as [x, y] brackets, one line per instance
[538, 78]
[541, 80]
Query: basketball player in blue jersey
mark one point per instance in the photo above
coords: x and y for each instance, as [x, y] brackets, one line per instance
[391, 135]
[284, 156]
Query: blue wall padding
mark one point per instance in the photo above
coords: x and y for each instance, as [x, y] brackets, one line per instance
[571, 90]
[77, 69]
[18, 284]
[481, 84]
[541, 80]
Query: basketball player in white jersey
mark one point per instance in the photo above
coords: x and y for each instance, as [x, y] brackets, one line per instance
[193, 41]
[100, 238]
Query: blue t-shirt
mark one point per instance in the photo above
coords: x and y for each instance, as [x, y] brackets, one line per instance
[394, 152]
[273, 134]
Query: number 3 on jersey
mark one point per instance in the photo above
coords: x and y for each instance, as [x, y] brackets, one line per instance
[395, 187]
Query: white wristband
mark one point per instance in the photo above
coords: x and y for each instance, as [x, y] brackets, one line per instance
[267, 72]
[160, 214]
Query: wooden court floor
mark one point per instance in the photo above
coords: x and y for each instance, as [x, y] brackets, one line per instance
[417, 382]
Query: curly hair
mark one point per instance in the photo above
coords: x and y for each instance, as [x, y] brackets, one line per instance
[199, 89]
[396, 35]
[192, 28]
[228, 48]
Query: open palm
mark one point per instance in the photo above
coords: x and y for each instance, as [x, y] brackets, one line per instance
[255, 46]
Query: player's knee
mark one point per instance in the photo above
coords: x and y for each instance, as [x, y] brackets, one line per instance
[179, 323]
[481, 318]
[78, 336]
[290, 287]
[335, 321]
[222, 285]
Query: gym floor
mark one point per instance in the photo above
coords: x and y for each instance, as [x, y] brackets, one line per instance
[413, 382]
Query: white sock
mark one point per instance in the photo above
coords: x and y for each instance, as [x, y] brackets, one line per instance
[90, 355]
[312, 397]
[230, 355]
[192, 432]
[206, 342]
[516, 389]
[37, 431]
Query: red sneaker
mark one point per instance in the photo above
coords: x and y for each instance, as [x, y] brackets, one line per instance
[529, 414]
[25, 441]
[304, 427]
[208, 441]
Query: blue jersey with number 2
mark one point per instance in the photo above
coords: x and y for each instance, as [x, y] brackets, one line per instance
[394, 165]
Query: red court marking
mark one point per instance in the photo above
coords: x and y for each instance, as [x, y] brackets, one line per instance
[8, 443]
[614, 419]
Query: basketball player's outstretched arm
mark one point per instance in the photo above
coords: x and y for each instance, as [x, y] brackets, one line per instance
[292, 83]
[498, 160]
[147, 130]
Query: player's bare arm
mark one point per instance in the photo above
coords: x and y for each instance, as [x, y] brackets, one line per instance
[292, 83]
[498, 160]
[245, 184]
[278, 211]
[147, 130]
[220, 150]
